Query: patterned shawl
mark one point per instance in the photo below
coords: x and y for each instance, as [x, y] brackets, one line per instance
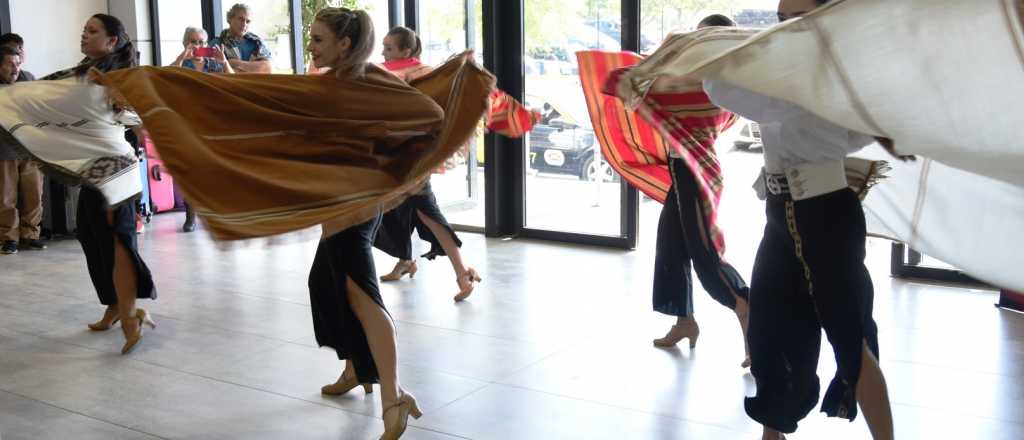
[71, 128]
[259, 155]
[676, 115]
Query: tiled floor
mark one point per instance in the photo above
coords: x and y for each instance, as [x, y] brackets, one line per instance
[555, 344]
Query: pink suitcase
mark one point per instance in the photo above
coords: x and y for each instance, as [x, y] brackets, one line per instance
[161, 184]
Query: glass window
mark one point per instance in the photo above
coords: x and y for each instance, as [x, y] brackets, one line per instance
[662, 17]
[569, 187]
[459, 184]
[271, 21]
[443, 30]
[175, 16]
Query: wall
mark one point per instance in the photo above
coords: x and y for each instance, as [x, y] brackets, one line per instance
[52, 30]
[135, 16]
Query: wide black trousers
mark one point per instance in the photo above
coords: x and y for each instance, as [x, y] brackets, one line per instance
[684, 241]
[809, 275]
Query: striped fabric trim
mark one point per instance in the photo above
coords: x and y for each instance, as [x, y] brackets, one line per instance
[256, 217]
[509, 117]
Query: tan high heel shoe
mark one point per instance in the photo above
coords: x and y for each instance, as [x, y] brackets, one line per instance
[132, 339]
[688, 329]
[401, 268]
[406, 406]
[109, 319]
[344, 385]
[467, 283]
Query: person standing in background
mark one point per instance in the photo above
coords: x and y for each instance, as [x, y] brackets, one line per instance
[21, 182]
[245, 51]
[195, 38]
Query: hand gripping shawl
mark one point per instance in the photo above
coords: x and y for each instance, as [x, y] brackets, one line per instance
[259, 155]
[942, 78]
[677, 116]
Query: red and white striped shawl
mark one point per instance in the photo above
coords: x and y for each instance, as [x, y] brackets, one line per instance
[637, 144]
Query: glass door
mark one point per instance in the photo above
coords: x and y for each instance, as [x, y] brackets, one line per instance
[569, 187]
[446, 29]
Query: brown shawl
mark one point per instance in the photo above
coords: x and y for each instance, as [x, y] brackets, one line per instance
[259, 155]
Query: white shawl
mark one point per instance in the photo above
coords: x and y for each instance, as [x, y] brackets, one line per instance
[70, 126]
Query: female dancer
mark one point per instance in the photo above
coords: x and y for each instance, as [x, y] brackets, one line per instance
[679, 168]
[348, 312]
[402, 49]
[334, 150]
[107, 232]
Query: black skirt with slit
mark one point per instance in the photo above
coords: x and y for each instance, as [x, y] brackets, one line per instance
[347, 254]
[397, 226]
[97, 236]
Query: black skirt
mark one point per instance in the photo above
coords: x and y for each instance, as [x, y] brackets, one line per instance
[395, 235]
[347, 254]
[97, 238]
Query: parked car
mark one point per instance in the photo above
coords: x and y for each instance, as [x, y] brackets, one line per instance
[560, 145]
[749, 136]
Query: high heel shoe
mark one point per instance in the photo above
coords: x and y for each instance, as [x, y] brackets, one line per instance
[678, 332]
[132, 339]
[344, 385]
[406, 406]
[401, 268]
[109, 319]
[467, 283]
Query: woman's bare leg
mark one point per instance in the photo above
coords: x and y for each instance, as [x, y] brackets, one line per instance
[447, 243]
[380, 334]
[125, 283]
[873, 397]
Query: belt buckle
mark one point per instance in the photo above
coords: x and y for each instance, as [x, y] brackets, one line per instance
[774, 185]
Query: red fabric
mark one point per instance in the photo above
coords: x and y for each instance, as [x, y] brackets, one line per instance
[505, 115]
[508, 117]
[394, 65]
[637, 143]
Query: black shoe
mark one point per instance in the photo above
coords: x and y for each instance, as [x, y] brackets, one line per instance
[33, 245]
[9, 247]
[190, 221]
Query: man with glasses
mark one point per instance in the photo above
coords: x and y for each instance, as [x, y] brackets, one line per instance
[809, 273]
[245, 51]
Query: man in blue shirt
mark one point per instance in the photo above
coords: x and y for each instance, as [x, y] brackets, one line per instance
[245, 51]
